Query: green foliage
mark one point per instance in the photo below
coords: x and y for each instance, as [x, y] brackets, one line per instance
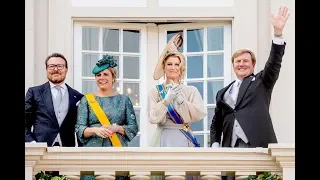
[48, 176]
[264, 176]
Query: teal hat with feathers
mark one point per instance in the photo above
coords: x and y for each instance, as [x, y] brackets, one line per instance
[104, 63]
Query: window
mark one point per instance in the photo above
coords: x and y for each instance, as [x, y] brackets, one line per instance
[207, 48]
[126, 43]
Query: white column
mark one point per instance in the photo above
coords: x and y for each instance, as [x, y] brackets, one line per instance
[29, 169]
[289, 173]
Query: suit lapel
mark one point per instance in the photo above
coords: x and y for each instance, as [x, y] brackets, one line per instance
[243, 88]
[72, 97]
[224, 90]
[47, 98]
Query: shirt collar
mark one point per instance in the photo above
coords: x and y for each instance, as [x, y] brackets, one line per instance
[238, 80]
[63, 85]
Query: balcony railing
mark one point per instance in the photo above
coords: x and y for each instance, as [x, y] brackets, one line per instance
[174, 163]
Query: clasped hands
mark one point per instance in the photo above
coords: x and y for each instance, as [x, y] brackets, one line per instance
[106, 131]
[174, 94]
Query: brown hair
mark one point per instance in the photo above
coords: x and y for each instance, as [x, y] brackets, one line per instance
[182, 62]
[242, 51]
[56, 55]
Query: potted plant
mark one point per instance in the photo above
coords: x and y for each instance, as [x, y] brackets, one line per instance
[264, 176]
[48, 176]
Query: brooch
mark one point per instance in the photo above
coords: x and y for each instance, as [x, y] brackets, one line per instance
[186, 127]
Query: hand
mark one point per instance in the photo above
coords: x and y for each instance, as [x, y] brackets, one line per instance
[278, 21]
[172, 93]
[215, 145]
[179, 99]
[103, 132]
[112, 128]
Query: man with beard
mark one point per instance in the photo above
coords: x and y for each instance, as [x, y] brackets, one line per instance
[51, 108]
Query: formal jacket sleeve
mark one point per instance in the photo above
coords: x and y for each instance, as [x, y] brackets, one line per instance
[271, 70]
[82, 119]
[216, 125]
[131, 128]
[29, 116]
[192, 109]
[156, 109]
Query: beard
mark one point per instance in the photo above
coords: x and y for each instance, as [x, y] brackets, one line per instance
[56, 80]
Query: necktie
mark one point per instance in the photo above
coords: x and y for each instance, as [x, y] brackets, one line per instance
[235, 90]
[59, 96]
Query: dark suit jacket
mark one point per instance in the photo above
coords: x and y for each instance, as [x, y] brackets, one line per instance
[39, 113]
[252, 106]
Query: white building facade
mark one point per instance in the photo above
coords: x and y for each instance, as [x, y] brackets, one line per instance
[136, 31]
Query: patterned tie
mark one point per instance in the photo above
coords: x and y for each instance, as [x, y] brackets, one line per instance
[59, 96]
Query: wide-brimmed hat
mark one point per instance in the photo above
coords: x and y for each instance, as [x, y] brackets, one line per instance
[174, 45]
[104, 63]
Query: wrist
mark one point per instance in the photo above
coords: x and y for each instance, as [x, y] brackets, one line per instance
[117, 127]
[165, 102]
[277, 33]
[94, 130]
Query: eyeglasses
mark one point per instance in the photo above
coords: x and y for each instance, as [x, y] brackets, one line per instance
[58, 66]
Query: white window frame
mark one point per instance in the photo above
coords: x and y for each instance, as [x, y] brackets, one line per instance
[77, 57]
[227, 50]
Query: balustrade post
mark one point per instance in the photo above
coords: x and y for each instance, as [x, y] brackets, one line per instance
[174, 175]
[140, 175]
[105, 175]
[210, 175]
[33, 153]
[285, 156]
[242, 175]
[29, 170]
[71, 175]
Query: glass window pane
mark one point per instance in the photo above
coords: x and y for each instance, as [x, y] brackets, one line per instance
[118, 64]
[215, 65]
[89, 86]
[195, 40]
[198, 85]
[135, 142]
[215, 39]
[197, 126]
[90, 39]
[210, 116]
[170, 34]
[131, 41]
[110, 40]
[88, 63]
[132, 90]
[131, 67]
[194, 67]
[138, 117]
[116, 87]
[213, 88]
[200, 139]
[208, 142]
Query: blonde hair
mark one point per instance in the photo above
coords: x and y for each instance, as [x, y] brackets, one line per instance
[182, 62]
[242, 51]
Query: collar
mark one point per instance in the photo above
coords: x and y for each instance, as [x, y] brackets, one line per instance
[237, 81]
[63, 85]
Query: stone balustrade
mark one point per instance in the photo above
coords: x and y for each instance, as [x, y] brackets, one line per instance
[174, 163]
